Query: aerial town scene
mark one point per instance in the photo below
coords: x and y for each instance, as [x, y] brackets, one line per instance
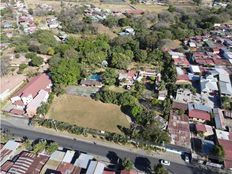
[116, 87]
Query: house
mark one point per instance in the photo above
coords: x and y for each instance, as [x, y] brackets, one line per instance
[83, 161]
[199, 106]
[162, 95]
[53, 162]
[6, 166]
[8, 151]
[182, 77]
[195, 69]
[179, 106]
[95, 168]
[36, 102]
[31, 96]
[199, 116]
[219, 119]
[65, 166]
[224, 139]
[28, 162]
[208, 84]
[178, 128]
[128, 172]
[127, 78]
[148, 73]
[91, 83]
[206, 130]
[224, 82]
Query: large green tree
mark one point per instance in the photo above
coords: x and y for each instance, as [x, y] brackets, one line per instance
[109, 77]
[127, 164]
[159, 169]
[66, 72]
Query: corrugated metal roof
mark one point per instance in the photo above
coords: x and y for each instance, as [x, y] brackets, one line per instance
[11, 145]
[83, 160]
[92, 167]
[57, 156]
[99, 168]
[68, 156]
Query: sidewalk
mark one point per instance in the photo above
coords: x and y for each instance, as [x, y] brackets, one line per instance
[23, 123]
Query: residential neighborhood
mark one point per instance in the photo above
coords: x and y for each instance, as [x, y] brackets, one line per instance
[123, 86]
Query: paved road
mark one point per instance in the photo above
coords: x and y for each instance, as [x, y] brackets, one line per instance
[142, 162]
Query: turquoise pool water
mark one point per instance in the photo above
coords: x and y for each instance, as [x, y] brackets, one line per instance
[95, 77]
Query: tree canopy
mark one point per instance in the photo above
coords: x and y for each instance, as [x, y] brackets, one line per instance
[65, 72]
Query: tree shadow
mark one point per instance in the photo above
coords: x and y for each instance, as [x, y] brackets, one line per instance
[143, 164]
[114, 158]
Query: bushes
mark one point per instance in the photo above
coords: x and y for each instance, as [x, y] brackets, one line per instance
[36, 61]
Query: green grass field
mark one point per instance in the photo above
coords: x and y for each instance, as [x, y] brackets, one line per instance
[86, 112]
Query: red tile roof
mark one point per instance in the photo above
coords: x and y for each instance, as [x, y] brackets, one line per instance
[17, 111]
[181, 61]
[19, 103]
[4, 153]
[6, 166]
[177, 105]
[227, 146]
[199, 114]
[129, 172]
[200, 128]
[35, 85]
[183, 77]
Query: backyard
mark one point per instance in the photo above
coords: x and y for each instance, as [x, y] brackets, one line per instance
[86, 112]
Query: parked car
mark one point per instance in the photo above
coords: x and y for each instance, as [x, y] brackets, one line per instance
[165, 162]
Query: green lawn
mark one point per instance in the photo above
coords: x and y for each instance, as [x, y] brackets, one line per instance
[86, 112]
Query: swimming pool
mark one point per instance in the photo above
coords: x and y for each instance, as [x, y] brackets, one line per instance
[95, 77]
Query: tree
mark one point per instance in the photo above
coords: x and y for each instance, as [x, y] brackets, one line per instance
[218, 151]
[120, 60]
[110, 21]
[127, 164]
[52, 147]
[140, 55]
[136, 112]
[109, 76]
[28, 144]
[126, 99]
[36, 61]
[197, 2]
[50, 51]
[159, 169]
[65, 72]
[43, 109]
[45, 37]
[39, 147]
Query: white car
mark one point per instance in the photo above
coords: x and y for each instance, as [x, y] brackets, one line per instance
[165, 162]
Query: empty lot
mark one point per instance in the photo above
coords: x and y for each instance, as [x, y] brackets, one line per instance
[86, 112]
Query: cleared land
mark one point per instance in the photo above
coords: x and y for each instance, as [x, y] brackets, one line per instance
[120, 7]
[86, 112]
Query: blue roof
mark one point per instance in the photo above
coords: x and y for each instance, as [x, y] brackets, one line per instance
[207, 146]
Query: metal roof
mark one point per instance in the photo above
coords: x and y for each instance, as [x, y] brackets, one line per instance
[68, 156]
[92, 167]
[83, 160]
